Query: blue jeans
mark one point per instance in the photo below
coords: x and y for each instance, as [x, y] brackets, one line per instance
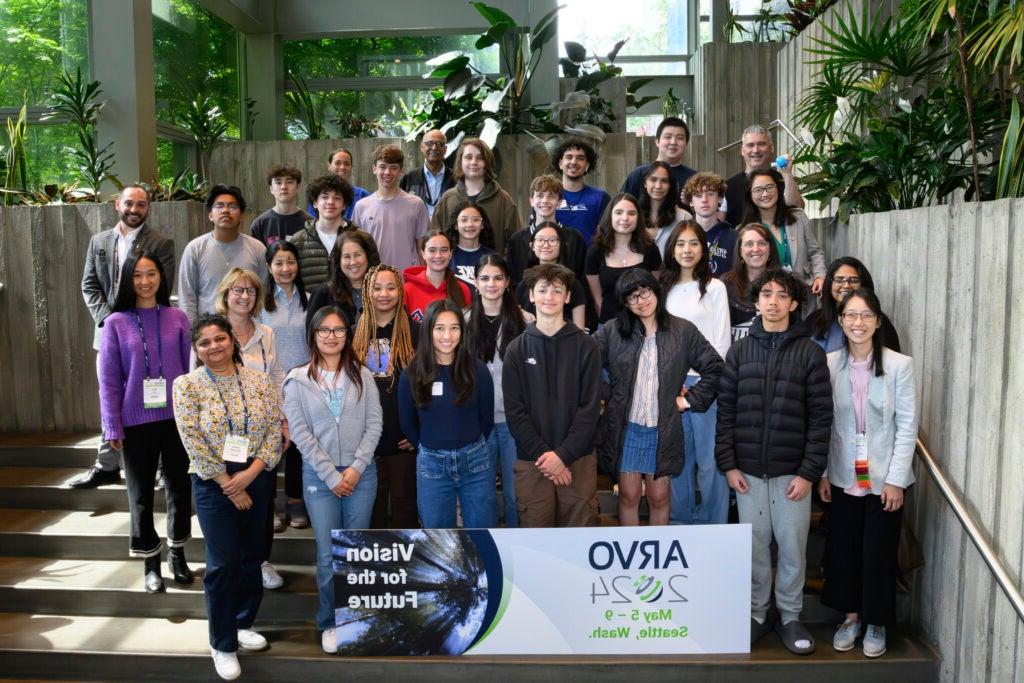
[502, 448]
[699, 471]
[465, 473]
[235, 548]
[326, 512]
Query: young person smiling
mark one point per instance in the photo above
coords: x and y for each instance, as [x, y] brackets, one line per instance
[704, 192]
[285, 218]
[547, 248]
[545, 198]
[315, 241]
[473, 237]
[435, 280]
[582, 205]
[353, 255]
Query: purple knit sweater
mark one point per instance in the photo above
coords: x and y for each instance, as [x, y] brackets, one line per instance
[122, 365]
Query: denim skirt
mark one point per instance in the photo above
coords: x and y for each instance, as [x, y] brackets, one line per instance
[639, 449]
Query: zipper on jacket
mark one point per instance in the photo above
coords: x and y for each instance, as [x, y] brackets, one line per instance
[769, 390]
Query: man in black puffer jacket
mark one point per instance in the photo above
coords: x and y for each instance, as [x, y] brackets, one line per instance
[774, 425]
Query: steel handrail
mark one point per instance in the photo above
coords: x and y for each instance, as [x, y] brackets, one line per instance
[974, 532]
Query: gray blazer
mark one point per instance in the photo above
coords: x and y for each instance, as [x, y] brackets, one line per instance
[98, 278]
[325, 443]
[808, 257]
[890, 422]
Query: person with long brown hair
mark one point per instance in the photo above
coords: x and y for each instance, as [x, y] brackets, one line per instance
[755, 254]
[621, 243]
[446, 408]
[435, 280]
[693, 294]
[384, 341]
[335, 418]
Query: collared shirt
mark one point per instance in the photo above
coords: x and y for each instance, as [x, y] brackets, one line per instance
[288, 321]
[644, 411]
[123, 247]
[434, 183]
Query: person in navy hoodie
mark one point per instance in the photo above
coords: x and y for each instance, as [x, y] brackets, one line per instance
[145, 346]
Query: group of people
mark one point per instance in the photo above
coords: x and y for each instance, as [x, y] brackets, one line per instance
[416, 356]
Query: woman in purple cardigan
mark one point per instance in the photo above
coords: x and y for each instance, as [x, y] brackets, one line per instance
[145, 347]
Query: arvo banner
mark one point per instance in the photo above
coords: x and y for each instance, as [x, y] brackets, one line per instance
[639, 590]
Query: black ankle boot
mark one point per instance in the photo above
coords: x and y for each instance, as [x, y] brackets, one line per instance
[179, 568]
[154, 582]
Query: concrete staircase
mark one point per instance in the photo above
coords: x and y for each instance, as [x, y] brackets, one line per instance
[73, 606]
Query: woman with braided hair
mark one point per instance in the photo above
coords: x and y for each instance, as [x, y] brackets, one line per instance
[384, 341]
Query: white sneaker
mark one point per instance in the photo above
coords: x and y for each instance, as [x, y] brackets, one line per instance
[329, 640]
[250, 640]
[226, 664]
[271, 579]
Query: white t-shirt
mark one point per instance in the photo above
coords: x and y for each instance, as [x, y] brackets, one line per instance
[710, 314]
[328, 239]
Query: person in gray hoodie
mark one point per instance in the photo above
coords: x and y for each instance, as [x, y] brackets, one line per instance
[334, 415]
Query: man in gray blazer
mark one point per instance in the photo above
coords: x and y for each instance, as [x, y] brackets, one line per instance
[108, 250]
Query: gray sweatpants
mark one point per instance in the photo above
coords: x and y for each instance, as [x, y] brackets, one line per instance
[768, 511]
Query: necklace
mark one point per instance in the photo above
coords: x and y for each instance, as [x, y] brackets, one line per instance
[492, 319]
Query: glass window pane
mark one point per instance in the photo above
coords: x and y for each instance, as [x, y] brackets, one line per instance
[675, 68]
[46, 157]
[38, 38]
[654, 27]
[350, 113]
[194, 51]
[379, 57]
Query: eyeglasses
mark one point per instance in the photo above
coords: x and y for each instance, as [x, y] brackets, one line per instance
[220, 206]
[642, 294]
[433, 143]
[840, 280]
[325, 332]
[240, 291]
[545, 241]
[853, 316]
[762, 191]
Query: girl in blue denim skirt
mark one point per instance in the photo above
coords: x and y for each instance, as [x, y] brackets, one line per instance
[446, 408]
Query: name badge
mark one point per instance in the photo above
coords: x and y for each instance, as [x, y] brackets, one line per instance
[236, 448]
[154, 393]
[437, 389]
[861, 466]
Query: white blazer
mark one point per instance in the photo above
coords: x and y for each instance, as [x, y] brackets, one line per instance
[890, 421]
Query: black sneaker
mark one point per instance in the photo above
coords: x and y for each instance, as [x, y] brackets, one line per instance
[97, 477]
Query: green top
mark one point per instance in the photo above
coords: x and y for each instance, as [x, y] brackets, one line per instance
[782, 246]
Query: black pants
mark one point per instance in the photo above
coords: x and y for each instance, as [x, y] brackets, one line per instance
[396, 481]
[235, 548]
[292, 460]
[861, 563]
[144, 447]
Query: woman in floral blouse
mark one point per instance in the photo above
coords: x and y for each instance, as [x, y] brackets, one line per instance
[229, 419]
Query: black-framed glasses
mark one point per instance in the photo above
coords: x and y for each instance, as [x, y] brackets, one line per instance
[336, 332]
[762, 191]
[852, 281]
[239, 291]
[642, 294]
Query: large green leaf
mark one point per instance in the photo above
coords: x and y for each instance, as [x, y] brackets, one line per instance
[493, 15]
[575, 52]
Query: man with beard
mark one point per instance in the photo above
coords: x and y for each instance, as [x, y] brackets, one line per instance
[108, 250]
[757, 150]
[582, 205]
[434, 178]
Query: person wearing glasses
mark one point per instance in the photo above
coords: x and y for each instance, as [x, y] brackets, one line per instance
[434, 178]
[546, 245]
[208, 258]
[240, 300]
[844, 275]
[869, 467]
[335, 418]
[799, 252]
[648, 354]
[229, 420]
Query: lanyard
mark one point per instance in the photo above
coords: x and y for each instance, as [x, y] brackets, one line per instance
[263, 352]
[227, 413]
[145, 347]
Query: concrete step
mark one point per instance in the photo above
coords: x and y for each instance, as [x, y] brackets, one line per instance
[116, 589]
[71, 534]
[132, 649]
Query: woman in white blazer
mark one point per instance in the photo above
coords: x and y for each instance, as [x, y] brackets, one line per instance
[869, 468]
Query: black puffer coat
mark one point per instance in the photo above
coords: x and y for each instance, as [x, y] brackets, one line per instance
[774, 406]
[314, 259]
[680, 347]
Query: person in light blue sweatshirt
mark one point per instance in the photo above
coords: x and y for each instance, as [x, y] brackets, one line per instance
[334, 415]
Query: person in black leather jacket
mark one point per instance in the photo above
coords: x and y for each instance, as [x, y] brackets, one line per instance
[648, 354]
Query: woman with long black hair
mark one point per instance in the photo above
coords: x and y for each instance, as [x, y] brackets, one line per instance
[446, 407]
[494, 320]
[870, 460]
[145, 347]
[353, 254]
[844, 275]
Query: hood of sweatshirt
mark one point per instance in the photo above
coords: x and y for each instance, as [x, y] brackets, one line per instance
[416, 277]
[489, 190]
[774, 340]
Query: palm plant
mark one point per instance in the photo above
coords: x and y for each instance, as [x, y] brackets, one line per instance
[204, 121]
[77, 101]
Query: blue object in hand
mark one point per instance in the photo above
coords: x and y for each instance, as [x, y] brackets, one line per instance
[781, 162]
